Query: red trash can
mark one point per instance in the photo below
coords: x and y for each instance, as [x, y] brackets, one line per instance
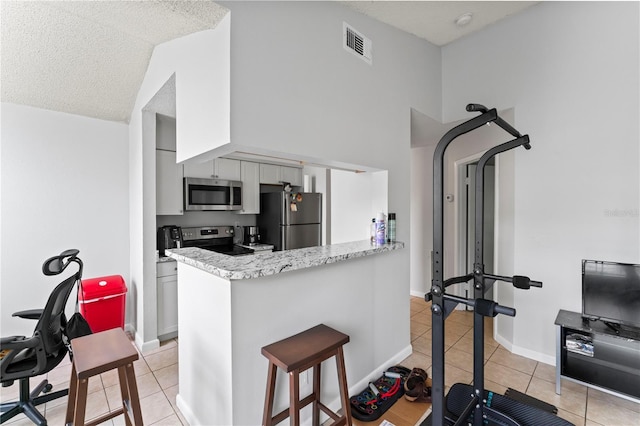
[102, 302]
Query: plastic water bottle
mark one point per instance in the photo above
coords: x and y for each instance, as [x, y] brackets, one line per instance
[391, 228]
[373, 230]
[381, 229]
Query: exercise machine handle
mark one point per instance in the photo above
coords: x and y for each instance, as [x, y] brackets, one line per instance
[489, 308]
[505, 310]
[499, 121]
[477, 107]
[518, 281]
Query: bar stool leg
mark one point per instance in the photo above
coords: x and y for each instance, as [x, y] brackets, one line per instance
[268, 402]
[134, 397]
[342, 382]
[81, 402]
[294, 398]
[124, 394]
[71, 400]
[316, 393]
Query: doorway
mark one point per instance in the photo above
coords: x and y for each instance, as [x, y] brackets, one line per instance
[466, 170]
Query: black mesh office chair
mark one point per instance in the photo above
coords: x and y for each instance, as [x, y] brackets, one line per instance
[25, 357]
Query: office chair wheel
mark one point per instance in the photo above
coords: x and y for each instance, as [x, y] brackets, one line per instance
[47, 388]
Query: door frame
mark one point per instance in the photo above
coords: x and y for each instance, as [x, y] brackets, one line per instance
[460, 225]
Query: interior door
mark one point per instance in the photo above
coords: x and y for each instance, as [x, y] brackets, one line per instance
[489, 218]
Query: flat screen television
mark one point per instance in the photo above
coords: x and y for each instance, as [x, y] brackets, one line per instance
[611, 292]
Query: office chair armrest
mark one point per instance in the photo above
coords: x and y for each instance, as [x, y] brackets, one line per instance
[19, 342]
[9, 339]
[29, 314]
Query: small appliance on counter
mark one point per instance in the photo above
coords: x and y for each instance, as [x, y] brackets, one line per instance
[169, 237]
[213, 238]
[251, 235]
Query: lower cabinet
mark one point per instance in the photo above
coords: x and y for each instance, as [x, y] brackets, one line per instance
[167, 295]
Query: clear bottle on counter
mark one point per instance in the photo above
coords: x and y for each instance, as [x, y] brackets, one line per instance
[381, 230]
[391, 228]
[372, 230]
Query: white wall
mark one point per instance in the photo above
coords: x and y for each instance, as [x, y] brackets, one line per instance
[356, 198]
[421, 219]
[190, 58]
[64, 185]
[203, 95]
[307, 96]
[575, 91]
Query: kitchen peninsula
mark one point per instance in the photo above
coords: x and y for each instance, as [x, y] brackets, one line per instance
[230, 307]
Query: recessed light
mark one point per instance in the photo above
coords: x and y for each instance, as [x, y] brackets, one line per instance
[463, 19]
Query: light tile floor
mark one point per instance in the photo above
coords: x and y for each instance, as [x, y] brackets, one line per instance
[577, 404]
[157, 379]
[157, 374]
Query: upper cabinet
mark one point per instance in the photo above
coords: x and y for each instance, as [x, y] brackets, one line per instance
[275, 175]
[168, 184]
[219, 168]
[270, 174]
[168, 173]
[250, 177]
[293, 175]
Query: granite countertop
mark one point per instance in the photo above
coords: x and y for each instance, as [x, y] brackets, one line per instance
[162, 259]
[254, 266]
[258, 247]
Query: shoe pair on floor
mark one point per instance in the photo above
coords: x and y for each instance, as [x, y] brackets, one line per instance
[417, 386]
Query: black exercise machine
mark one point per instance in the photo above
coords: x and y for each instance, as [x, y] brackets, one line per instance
[466, 404]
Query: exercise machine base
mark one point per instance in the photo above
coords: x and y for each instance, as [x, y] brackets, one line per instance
[518, 408]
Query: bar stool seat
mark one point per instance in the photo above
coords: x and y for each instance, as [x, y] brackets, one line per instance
[95, 354]
[299, 353]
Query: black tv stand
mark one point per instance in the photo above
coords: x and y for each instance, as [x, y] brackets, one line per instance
[603, 355]
[614, 327]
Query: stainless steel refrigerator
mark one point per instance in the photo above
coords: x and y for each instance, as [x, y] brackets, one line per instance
[290, 220]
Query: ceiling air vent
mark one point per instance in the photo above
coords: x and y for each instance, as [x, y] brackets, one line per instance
[356, 43]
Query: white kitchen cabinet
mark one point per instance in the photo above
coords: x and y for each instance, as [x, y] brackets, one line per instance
[270, 174]
[250, 177]
[168, 184]
[199, 170]
[167, 298]
[224, 168]
[293, 175]
[218, 168]
[273, 174]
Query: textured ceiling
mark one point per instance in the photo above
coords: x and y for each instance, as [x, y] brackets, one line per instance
[89, 57]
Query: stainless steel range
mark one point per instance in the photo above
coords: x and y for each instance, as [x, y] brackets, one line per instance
[213, 238]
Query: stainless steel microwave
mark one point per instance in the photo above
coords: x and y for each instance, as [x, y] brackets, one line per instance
[212, 194]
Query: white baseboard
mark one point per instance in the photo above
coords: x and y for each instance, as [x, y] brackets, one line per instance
[417, 293]
[143, 346]
[527, 353]
[186, 411]
[537, 356]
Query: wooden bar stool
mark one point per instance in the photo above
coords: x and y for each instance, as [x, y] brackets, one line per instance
[95, 354]
[298, 353]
